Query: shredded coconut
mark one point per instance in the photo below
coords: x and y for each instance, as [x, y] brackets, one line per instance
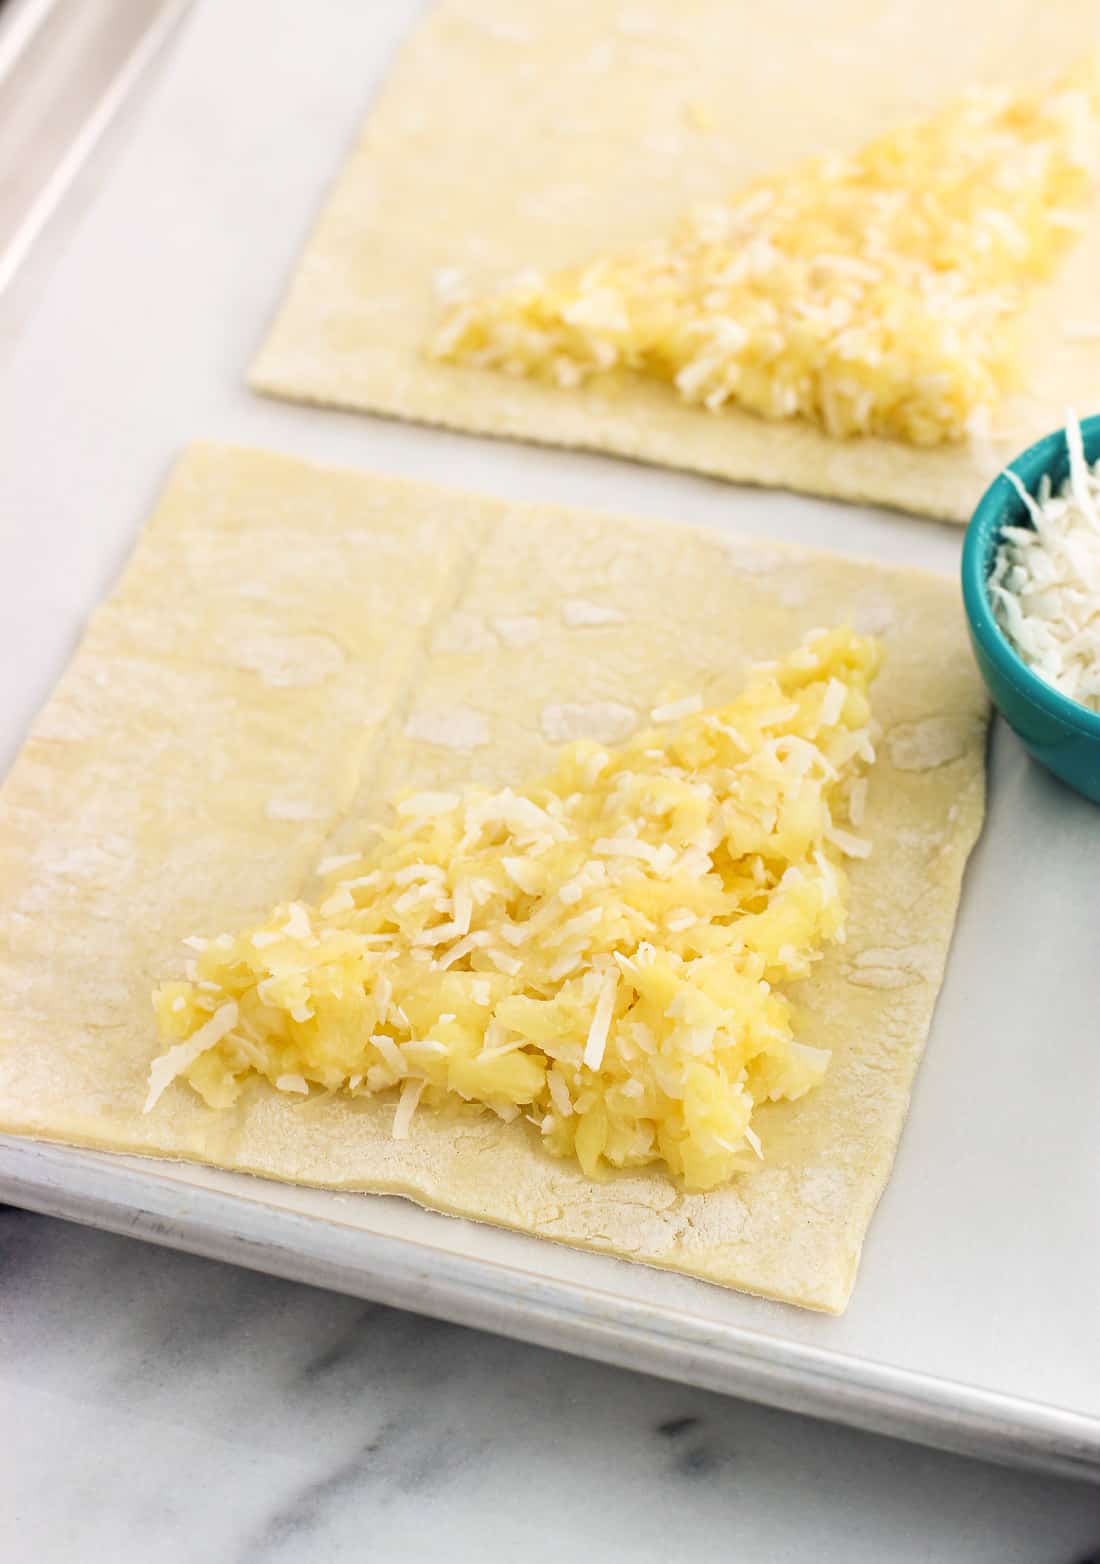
[1045, 582]
[406, 1107]
[673, 711]
[164, 1070]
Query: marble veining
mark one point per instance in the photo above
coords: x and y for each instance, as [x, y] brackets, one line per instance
[158, 1407]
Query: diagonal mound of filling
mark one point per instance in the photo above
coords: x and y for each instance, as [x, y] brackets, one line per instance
[871, 294]
[599, 951]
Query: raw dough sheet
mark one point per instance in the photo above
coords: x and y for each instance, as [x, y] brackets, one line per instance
[512, 136]
[288, 646]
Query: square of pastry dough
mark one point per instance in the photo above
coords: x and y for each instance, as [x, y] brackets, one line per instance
[288, 646]
[517, 137]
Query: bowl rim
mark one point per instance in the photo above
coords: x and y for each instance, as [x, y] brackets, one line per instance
[994, 511]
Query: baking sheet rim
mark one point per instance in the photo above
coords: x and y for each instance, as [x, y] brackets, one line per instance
[117, 1193]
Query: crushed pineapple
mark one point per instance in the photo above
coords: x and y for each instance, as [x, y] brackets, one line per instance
[599, 951]
[871, 294]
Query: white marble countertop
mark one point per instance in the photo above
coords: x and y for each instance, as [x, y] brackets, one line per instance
[162, 1408]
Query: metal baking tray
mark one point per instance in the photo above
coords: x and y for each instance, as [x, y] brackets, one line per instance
[974, 1322]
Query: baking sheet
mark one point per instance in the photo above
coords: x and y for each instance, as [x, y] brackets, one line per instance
[974, 1322]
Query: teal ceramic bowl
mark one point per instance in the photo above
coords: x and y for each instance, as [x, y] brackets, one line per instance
[1062, 735]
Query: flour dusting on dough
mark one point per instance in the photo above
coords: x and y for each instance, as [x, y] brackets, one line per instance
[923, 746]
[289, 661]
[518, 630]
[86, 861]
[824, 1189]
[294, 809]
[886, 967]
[578, 613]
[462, 632]
[756, 559]
[874, 613]
[607, 721]
[456, 727]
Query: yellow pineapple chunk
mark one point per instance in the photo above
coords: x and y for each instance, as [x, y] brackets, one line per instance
[598, 951]
[870, 294]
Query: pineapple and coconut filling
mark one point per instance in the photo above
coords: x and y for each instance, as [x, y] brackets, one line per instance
[873, 294]
[601, 951]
